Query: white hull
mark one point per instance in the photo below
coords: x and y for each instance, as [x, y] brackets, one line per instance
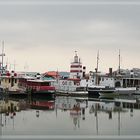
[125, 91]
[108, 94]
[59, 92]
[137, 92]
[68, 87]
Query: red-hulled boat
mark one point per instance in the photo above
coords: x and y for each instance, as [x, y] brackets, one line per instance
[44, 86]
[40, 86]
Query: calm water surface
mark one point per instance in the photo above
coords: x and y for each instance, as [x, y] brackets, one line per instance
[70, 116]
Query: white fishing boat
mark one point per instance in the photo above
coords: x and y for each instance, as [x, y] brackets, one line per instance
[70, 87]
[120, 91]
[104, 85]
[117, 83]
[73, 85]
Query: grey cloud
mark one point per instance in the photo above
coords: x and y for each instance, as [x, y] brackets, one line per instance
[107, 27]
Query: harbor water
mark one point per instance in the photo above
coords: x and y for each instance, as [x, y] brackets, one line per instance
[73, 116]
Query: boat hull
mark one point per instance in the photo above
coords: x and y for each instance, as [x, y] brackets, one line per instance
[43, 92]
[125, 91]
[72, 93]
[97, 91]
[108, 94]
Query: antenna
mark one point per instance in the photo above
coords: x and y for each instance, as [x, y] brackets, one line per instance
[6, 61]
[57, 74]
[96, 69]
[97, 61]
[79, 60]
[119, 62]
[75, 53]
[9, 66]
[14, 65]
[26, 66]
[2, 54]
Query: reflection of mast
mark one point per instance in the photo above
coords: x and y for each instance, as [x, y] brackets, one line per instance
[13, 123]
[0, 123]
[119, 122]
[97, 124]
[56, 110]
[78, 123]
[96, 115]
[5, 120]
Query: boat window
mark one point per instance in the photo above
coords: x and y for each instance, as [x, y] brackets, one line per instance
[74, 83]
[70, 83]
[15, 80]
[46, 84]
[12, 82]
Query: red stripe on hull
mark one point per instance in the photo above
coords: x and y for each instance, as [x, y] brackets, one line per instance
[76, 66]
[47, 88]
[76, 71]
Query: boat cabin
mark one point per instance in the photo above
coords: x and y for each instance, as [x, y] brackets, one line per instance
[10, 81]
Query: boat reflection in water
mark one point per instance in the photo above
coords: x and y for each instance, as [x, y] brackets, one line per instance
[75, 106]
[9, 108]
[70, 116]
[111, 106]
[41, 104]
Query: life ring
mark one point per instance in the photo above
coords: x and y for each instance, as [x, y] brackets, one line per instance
[64, 83]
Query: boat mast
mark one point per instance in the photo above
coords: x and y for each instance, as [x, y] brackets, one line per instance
[96, 69]
[119, 62]
[97, 61]
[3, 54]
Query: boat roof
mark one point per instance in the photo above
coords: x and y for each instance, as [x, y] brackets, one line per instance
[40, 80]
[28, 77]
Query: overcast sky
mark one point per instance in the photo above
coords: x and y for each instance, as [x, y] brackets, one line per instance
[42, 35]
